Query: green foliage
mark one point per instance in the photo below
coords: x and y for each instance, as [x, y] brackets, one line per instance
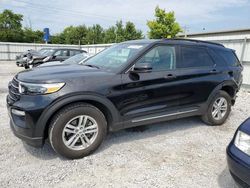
[32, 36]
[164, 26]
[110, 35]
[72, 35]
[119, 33]
[11, 30]
[10, 26]
[95, 35]
[130, 32]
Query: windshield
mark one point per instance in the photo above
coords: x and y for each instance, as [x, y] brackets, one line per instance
[43, 50]
[116, 56]
[48, 52]
[76, 59]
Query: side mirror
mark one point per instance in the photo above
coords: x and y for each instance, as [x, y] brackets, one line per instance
[142, 68]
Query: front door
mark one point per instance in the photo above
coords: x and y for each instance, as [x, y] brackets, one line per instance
[151, 92]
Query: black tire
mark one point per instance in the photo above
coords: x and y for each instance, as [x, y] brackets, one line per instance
[208, 117]
[26, 66]
[60, 120]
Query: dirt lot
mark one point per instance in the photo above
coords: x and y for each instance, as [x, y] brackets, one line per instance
[181, 153]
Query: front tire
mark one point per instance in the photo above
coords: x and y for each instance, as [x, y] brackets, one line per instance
[218, 109]
[77, 130]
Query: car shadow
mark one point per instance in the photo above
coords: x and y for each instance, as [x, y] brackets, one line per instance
[44, 153]
[149, 131]
[225, 180]
[127, 135]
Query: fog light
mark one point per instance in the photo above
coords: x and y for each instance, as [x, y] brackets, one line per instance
[18, 112]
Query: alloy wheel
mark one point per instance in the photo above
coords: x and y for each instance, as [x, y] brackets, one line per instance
[80, 132]
[219, 108]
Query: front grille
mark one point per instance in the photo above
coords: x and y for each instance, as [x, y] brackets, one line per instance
[14, 94]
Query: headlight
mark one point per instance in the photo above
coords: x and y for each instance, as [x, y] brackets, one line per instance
[242, 142]
[36, 89]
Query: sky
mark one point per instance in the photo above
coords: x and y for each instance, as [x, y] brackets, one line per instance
[193, 15]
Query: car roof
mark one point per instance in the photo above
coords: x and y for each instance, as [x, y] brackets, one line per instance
[66, 49]
[179, 41]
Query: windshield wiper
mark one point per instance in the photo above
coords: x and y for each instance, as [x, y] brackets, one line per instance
[94, 66]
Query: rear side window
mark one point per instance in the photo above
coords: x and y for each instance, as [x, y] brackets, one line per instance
[229, 57]
[62, 53]
[74, 52]
[194, 57]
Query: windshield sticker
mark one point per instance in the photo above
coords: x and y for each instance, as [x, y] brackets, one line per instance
[135, 46]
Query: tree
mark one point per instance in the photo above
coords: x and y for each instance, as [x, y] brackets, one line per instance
[57, 39]
[11, 31]
[10, 26]
[72, 35]
[32, 36]
[130, 32]
[164, 26]
[110, 35]
[95, 35]
[119, 33]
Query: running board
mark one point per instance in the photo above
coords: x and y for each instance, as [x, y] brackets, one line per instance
[165, 115]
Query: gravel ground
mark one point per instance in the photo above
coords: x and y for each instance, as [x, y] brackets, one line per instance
[181, 153]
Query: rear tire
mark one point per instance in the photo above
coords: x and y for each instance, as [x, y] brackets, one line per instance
[77, 130]
[218, 109]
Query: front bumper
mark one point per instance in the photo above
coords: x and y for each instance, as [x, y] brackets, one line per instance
[29, 127]
[239, 165]
[21, 133]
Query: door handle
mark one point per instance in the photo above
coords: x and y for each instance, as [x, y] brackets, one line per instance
[231, 73]
[169, 76]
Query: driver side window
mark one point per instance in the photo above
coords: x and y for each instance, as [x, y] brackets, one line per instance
[161, 58]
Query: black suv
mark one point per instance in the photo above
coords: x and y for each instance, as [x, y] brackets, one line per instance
[129, 84]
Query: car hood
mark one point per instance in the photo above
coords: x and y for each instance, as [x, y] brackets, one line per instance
[59, 73]
[50, 63]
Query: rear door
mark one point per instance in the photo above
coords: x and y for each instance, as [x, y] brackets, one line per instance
[234, 66]
[197, 74]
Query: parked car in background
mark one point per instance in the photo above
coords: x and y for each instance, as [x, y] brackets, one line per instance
[129, 84]
[238, 155]
[55, 54]
[76, 59]
[21, 60]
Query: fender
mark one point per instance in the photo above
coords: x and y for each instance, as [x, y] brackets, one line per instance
[68, 99]
[230, 83]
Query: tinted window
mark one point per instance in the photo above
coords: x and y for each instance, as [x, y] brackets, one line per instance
[61, 53]
[194, 57]
[73, 52]
[160, 58]
[229, 57]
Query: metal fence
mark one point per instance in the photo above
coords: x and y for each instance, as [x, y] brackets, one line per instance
[8, 51]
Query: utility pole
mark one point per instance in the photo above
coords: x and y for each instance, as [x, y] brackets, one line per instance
[185, 30]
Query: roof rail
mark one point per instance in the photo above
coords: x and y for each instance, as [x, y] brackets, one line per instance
[198, 41]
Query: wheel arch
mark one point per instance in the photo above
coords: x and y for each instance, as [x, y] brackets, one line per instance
[103, 104]
[229, 87]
